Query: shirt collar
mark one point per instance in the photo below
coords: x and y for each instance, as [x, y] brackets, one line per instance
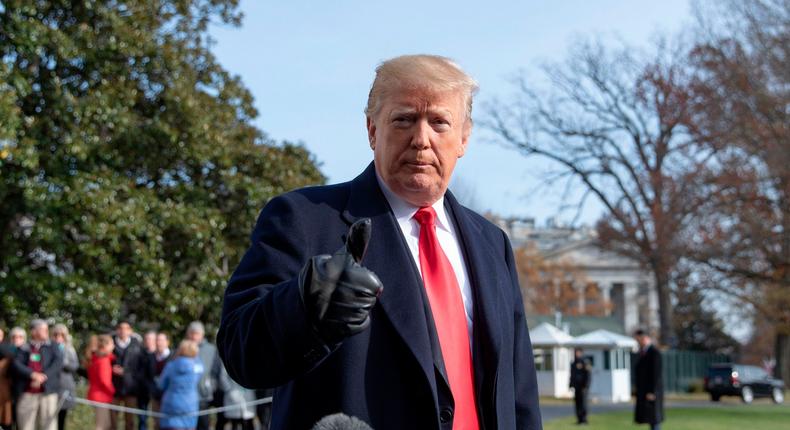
[404, 210]
[123, 343]
[164, 354]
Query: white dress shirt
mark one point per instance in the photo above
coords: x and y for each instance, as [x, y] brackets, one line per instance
[448, 239]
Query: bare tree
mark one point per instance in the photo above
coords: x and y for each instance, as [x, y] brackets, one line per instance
[741, 94]
[613, 121]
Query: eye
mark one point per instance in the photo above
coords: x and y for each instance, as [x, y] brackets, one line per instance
[441, 124]
[402, 121]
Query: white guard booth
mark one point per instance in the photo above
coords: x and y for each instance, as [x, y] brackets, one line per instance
[611, 363]
[553, 355]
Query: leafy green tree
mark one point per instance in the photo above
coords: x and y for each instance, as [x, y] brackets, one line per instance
[130, 171]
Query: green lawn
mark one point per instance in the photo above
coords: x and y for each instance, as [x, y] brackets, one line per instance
[737, 417]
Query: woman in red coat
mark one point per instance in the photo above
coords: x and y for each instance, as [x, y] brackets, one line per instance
[100, 388]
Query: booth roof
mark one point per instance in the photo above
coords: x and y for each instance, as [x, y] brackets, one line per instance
[604, 339]
[546, 334]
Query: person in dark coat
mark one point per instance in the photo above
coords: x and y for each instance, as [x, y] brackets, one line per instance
[36, 377]
[649, 387]
[162, 355]
[421, 326]
[580, 382]
[145, 377]
[126, 372]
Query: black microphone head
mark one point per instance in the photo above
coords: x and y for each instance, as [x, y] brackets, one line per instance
[340, 421]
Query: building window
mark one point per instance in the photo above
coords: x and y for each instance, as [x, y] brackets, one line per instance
[544, 359]
[607, 359]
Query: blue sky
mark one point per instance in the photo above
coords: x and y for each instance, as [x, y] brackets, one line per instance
[309, 66]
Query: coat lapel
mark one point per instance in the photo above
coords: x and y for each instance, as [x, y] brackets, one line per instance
[389, 258]
[482, 267]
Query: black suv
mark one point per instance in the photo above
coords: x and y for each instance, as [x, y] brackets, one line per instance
[747, 382]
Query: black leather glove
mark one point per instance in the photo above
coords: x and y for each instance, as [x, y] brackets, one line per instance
[338, 293]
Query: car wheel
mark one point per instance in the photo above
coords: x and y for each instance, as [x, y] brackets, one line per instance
[747, 395]
[715, 397]
[777, 395]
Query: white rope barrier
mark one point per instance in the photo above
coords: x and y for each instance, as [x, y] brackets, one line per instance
[136, 411]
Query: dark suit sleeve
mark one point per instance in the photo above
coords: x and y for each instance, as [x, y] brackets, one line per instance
[524, 377]
[264, 338]
[19, 366]
[54, 366]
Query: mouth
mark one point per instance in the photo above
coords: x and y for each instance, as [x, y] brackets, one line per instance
[418, 164]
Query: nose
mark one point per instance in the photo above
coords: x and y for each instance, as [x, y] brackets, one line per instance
[421, 139]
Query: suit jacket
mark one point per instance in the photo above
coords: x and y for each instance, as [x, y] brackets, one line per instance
[51, 363]
[130, 359]
[390, 375]
[648, 380]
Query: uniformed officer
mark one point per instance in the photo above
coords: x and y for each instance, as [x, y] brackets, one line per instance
[580, 382]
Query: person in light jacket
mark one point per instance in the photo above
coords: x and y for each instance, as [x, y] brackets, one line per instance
[241, 415]
[179, 383]
[62, 339]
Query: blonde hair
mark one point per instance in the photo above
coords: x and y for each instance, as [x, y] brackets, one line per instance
[17, 331]
[187, 348]
[424, 72]
[62, 329]
[94, 346]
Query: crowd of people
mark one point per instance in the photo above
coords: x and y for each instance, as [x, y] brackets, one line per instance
[40, 370]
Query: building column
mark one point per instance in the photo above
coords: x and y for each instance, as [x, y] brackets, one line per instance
[606, 296]
[631, 307]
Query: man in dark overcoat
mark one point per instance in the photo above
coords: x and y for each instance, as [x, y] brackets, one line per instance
[580, 382]
[649, 386]
[421, 327]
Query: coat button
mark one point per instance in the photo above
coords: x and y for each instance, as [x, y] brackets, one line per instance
[446, 415]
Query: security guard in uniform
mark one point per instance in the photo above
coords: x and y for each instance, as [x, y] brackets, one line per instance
[580, 382]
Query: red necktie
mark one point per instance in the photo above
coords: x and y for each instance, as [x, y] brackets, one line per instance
[447, 308]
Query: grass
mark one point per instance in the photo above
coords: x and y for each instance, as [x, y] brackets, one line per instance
[736, 417]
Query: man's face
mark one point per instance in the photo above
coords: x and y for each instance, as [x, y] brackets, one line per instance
[124, 331]
[149, 341]
[643, 340]
[162, 343]
[417, 136]
[195, 336]
[17, 340]
[40, 333]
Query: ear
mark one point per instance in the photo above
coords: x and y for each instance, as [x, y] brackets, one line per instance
[465, 138]
[371, 125]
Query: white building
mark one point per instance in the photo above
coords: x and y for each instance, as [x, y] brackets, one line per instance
[624, 285]
[553, 355]
[610, 354]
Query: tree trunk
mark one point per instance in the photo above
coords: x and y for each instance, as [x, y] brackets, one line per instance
[782, 353]
[666, 334]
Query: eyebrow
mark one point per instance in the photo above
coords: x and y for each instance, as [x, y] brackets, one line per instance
[412, 111]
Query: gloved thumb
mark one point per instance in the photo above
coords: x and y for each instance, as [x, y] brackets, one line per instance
[358, 238]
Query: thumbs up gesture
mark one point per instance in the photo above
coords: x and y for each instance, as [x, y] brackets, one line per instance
[337, 291]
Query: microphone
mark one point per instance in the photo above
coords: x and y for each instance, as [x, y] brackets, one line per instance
[340, 421]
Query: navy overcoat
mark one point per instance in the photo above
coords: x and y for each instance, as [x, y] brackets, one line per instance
[391, 375]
